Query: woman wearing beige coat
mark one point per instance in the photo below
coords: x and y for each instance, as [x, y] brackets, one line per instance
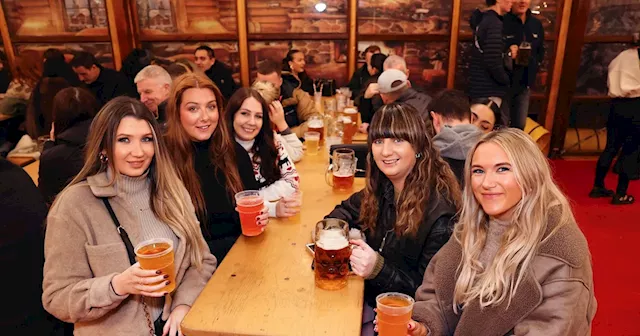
[517, 263]
[88, 276]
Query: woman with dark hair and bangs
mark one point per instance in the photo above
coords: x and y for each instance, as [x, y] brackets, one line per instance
[212, 166]
[248, 114]
[405, 210]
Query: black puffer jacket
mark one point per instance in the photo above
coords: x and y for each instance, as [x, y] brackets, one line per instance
[488, 76]
[405, 257]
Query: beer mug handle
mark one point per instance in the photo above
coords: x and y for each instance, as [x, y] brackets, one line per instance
[328, 175]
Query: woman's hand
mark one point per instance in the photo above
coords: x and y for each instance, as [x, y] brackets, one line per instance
[363, 258]
[276, 114]
[413, 328]
[287, 207]
[364, 127]
[172, 327]
[263, 218]
[135, 280]
[372, 90]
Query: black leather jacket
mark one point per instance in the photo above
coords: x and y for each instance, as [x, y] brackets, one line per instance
[405, 257]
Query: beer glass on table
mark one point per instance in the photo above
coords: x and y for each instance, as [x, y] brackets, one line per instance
[296, 197]
[312, 141]
[249, 204]
[332, 253]
[316, 124]
[158, 254]
[394, 313]
[341, 172]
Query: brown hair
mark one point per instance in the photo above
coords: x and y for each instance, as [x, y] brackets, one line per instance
[73, 105]
[372, 49]
[430, 179]
[221, 149]
[269, 66]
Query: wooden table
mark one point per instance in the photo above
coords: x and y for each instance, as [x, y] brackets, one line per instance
[265, 285]
[21, 160]
[33, 170]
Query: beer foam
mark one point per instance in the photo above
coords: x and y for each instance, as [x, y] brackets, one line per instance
[343, 173]
[332, 240]
[316, 123]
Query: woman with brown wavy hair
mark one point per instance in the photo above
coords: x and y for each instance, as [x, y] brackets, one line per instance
[212, 166]
[405, 209]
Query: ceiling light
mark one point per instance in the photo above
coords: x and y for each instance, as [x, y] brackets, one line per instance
[321, 7]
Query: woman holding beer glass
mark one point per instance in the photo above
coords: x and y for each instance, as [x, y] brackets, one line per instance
[212, 166]
[248, 113]
[405, 209]
[517, 262]
[127, 192]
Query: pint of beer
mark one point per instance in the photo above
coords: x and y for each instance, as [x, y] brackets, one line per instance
[158, 254]
[332, 253]
[342, 169]
[316, 124]
[312, 141]
[249, 204]
[394, 312]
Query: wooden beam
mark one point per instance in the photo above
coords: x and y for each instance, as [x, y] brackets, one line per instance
[6, 40]
[119, 20]
[352, 27]
[404, 38]
[61, 38]
[469, 37]
[243, 43]
[297, 36]
[199, 37]
[608, 39]
[56, 15]
[565, 70]
[453, 44]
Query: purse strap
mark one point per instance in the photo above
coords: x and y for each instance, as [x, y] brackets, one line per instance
[132, 257]
[121, 231]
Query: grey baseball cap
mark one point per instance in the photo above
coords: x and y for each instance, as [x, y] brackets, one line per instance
[392, 80]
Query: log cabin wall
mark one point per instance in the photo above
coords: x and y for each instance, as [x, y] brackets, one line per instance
[419, 30]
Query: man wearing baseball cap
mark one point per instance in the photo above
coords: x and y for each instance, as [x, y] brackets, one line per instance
[394, 87]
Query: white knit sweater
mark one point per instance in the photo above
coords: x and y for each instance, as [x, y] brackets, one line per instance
[624, 75]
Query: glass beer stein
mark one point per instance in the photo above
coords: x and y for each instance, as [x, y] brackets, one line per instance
[341, 172]
[332, 253]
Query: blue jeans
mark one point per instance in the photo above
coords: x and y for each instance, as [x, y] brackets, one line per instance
[520, 108]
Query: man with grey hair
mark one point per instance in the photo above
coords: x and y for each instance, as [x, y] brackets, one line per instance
[396, 62]
[154, 84]
[394, 86]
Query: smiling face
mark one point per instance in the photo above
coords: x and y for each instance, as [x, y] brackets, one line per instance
[247, 122]
[152, 93]
[199, 113]
[203, 61]
[297, 63]
[520, 6]
[394, 157]
[134, 147]
[494, 182]
[483, 117]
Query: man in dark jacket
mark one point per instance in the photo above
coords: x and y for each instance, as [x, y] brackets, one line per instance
[105, 83]
[361, 76]
[21, 253]
[394, 87]
[488, 76]
[522, 30]
[217, 71]
[455, 135]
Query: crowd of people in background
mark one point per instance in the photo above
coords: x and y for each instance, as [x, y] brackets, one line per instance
[451, 213]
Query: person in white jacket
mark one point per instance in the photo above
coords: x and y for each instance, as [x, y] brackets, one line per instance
[284, 134]
[623, 125]
[275, 172]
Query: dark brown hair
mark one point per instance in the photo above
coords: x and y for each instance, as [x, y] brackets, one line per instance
[221, 148]
[269, 66]
[264, 148]
[451, 104]
[372, 49]
[430, 179]
[71, 106]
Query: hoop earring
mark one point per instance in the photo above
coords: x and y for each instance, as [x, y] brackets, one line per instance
[103, 158]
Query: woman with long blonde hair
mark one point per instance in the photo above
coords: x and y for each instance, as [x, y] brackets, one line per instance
[128, 184]
[405, 209]
[517, 262]
[211, 164]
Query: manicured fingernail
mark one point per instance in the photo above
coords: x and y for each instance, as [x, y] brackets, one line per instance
[158, 272]
[166, 276]
[167, 283]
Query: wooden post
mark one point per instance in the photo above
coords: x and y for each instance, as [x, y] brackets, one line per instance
[453, 43]
[6, 40]
[565, 70]
[243, 41]
[120, 29]
[352, 27]
[56, 14]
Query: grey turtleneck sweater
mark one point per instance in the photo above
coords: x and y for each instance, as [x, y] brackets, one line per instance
[136, 191]
[495, 233]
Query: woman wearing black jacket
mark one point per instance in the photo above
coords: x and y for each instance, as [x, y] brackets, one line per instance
[405, 209]
[63, 158]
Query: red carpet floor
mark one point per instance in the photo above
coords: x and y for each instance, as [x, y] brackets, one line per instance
[613, 233]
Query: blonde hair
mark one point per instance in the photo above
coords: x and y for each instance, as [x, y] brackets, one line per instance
[267, 90]
[500, 279]
[169, 199]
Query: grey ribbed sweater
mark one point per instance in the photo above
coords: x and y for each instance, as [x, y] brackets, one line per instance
[137, 192]
[495, 232]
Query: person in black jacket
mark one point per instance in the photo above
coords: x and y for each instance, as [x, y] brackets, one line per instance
[455, 134]
[370, 100]
[63, 157]
[362, 75]
[218, 72]
[521, 26]
[293, 71]
[55, 65]
[105, 83]
[406, 209]
[488, 75]
[21, 253]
